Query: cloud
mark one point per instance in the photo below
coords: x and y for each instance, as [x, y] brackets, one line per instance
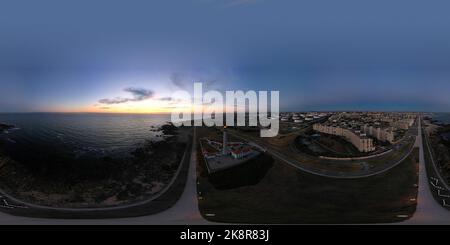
[165, 99]
[138, 94]
[116, 100]
[185, 82]
[177, 80]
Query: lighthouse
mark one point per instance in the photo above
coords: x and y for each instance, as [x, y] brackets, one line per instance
[225, 141]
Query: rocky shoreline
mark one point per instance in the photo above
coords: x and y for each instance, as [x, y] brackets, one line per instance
[4, 127]
[104, 183]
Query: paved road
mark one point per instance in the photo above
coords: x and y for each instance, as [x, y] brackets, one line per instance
[185, 211]
[429, 211]
[321, 172]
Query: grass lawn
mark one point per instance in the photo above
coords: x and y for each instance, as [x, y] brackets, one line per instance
[287, 195]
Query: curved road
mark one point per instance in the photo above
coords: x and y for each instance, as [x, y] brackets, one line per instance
[185, 211]
[337, 175]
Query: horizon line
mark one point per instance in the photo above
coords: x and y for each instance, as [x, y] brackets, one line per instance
[159, 113]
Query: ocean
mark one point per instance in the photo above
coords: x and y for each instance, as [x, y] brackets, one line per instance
[441, 117]
[49, 136]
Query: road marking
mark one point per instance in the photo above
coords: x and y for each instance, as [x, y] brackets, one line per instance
[436, 181]
[436, 186]
[431, 155]
[442, 195]
[444, 203]
[322, 172]
[15, 206]
[6, 204]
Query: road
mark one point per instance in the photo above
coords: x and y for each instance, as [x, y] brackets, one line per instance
[185, 211]
[428, 211]
[320, 172]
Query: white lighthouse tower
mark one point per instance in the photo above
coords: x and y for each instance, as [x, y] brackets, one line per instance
[225, 141]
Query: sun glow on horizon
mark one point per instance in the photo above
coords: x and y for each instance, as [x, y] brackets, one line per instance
[141, 107]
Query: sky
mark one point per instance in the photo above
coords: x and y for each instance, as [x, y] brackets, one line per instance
[130, 56]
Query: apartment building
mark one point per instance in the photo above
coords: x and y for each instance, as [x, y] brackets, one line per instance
[358, 139]
[381, 134]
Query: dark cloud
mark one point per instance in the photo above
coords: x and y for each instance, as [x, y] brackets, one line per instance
[116, 100]
[166, 99]
[183, 81]
[177, 80]
[138, 94]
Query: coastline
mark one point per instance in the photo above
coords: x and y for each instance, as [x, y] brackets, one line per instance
[154, 159]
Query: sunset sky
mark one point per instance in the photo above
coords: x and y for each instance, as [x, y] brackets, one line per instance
[130, 56]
